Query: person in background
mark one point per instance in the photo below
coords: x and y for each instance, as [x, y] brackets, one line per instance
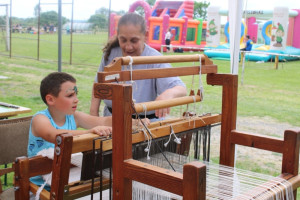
[249, 44]
[130, 41]
[168, 39]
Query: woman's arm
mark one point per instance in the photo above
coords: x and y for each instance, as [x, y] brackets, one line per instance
[95, 105]
[174, 92]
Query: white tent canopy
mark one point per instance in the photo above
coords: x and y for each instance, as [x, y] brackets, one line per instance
[235, 19]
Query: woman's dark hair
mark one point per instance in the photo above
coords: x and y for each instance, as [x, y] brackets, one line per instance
[128, 18]
[51, 84]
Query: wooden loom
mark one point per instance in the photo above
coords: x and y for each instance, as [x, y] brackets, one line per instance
[190, 184]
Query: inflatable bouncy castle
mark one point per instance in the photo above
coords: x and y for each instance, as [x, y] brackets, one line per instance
[276, 33]
[176, 15]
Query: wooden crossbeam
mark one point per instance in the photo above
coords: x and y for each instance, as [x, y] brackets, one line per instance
[85, 142]
[116, 64]
[141, 74]
[154, 105]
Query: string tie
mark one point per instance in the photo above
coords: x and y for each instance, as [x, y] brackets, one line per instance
[200, 78]
[177, 140]
[133, 83]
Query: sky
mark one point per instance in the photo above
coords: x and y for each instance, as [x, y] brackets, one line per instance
[83, 9]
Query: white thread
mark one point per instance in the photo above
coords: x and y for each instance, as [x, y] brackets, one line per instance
[146, 136]
[194, 98]
[192, 86]
[133, 83]
[224, 182]
[38, 192]
[145, 109]
[187, 110]
[166, 144]
[149, 142]
[180, 112]
[200, 78]
[177, 140]
[130, 65]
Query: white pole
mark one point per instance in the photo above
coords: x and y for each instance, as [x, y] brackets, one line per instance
[235, 19]
[109, 12]
[59, 27]
[7, 30]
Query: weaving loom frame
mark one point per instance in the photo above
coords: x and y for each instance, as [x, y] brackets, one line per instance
[195, 172]
[289, 147]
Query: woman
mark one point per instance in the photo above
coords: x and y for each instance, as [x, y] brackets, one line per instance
[130, 41]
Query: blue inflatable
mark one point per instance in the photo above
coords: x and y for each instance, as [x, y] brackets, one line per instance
[222, 52]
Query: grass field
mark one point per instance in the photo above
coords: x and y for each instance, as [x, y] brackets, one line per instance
[84, 49]
[265, 92]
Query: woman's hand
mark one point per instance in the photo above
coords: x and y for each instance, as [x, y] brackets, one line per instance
[101, 130]
[174, 92]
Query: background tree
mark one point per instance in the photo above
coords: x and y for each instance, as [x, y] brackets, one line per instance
[151, 2]
[200, 9]
[102, 11]
[141, 11]
[98, 20]
[36, 10]
[120, 12]
[2, 20]
[51, 17]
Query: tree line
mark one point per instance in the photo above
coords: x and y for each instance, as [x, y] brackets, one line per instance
[98, 20]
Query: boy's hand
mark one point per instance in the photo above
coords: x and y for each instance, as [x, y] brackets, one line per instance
[146, 121]
[102, 130]
[136, 124]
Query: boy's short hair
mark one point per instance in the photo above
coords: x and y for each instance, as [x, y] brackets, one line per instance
[248, 36]
[51, 84]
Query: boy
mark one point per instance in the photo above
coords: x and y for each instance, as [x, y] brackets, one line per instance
[59, 92]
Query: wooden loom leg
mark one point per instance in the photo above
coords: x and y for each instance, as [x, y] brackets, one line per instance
[290, 155]
[22, 178]
[61, 165]
[122, 147]
[229, 111]
[194, 181]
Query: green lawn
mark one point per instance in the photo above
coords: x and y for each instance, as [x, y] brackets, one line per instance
[265, 91]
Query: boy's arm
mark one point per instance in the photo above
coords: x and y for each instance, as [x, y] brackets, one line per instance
[42, 127]
[87, 121]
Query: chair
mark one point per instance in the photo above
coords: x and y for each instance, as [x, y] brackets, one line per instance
[13, 143]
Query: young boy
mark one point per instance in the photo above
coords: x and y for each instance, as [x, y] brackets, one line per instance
[59, 92]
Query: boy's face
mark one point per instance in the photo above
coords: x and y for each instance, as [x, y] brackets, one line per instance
[66, 101]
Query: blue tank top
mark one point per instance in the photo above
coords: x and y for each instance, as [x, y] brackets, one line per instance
[36, 144]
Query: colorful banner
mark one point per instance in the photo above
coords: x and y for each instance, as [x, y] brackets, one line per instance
[279, 28]
[213, 26]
